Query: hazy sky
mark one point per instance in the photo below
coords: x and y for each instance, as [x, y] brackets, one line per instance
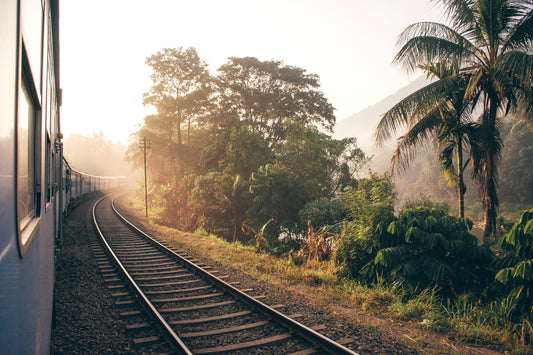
[104, 43]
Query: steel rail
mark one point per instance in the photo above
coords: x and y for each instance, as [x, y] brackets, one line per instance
[305, 332]
[159, 318]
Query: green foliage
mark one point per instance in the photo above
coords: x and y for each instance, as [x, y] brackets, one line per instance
[368, 205]
[426, 247]
[236, 201]
[438, 111]
[354, 250]
[246, 151]
[265, 93]
[260, 239]
[516, 268]
[213, 153]
[253, 150]
[220, 202]
[323, 212]
[425, 201]
[500, 82]
[371, 202]
[323, 165]
[517, 163]
[279, 195]
[417, 307]
[181, 87]
[207, 200]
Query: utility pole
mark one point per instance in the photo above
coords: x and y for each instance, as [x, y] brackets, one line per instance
[145, 144]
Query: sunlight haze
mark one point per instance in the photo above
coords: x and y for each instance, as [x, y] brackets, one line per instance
[104, 44]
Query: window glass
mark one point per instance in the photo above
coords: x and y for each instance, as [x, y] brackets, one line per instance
[48, 168]
[25, 157]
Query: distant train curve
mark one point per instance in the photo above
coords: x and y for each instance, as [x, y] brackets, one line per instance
[36, 183]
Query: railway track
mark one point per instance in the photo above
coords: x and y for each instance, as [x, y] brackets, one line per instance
[188, 307]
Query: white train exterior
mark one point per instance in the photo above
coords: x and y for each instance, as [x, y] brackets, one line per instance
[36, 184]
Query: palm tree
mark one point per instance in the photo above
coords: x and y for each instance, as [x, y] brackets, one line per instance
[492, 40]
[437, 111]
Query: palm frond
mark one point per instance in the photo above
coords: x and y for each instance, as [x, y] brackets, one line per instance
[427, 42]
[521, 34]
[458, 12]
[446, 157]
[418, 135]
[517, 66]
[407, 112]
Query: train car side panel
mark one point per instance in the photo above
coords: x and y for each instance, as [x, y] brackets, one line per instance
[9, 257]
[26, 222]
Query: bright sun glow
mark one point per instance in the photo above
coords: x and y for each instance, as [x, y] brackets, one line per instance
[349, 44]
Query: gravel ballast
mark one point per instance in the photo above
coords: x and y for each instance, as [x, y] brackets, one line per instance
[86, 319]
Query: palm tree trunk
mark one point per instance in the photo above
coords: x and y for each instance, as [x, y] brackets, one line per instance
[489, 175]
[460, 173]
[487, 226]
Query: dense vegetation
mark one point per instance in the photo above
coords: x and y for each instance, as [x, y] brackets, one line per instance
[246, 155]
[424, 179]
[246, 146]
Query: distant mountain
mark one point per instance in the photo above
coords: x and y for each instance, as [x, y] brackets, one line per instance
[362, 124]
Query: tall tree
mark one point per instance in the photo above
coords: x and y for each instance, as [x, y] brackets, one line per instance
[323, 165]
[437, 111]
[492, 41]
[180, 88]
[277, 195]
[265, 94]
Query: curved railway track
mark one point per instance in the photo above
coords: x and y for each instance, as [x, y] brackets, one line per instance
[195, 311]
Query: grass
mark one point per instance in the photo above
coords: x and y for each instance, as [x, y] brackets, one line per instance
[462, 320]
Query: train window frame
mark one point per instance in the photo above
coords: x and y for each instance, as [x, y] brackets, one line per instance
[48, 160]
[48, 171]
[28, 113]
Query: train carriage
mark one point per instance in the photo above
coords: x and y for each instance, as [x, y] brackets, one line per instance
[36, 183]
[29, 137]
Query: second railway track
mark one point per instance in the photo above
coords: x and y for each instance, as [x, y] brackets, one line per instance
[195, 311]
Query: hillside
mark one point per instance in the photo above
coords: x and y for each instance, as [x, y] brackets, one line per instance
[362, 124]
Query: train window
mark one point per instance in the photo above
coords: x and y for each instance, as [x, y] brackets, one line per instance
[28, 162]
[48, 169]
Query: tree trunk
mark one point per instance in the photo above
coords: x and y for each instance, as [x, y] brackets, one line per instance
[179, 127]
[487, 227]
[460, 173]
[489, 175]
[189, 132]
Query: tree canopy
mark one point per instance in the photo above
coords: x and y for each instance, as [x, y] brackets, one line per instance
[257, 145]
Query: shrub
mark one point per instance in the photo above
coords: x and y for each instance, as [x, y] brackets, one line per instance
[516, 267]
[369, 204]
[323, 213]
[276, 194]
[426, 247]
